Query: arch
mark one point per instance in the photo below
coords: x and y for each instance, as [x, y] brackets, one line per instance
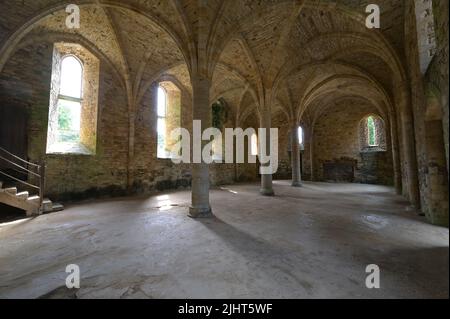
[53, 37]
[214, 52]
[386, 54]
[394, 62]
[161, 75]
[350, 71]
[10, 44]
[318, 91]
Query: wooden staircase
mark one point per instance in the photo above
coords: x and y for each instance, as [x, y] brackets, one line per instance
[32, 204]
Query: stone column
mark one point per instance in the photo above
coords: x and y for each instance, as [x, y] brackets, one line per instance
[266, 179]
[395, 154]
[200, 171]
[295, 156]
[311, 151]
[409, 147]
[436, 176]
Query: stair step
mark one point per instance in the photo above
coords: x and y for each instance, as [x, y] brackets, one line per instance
[23, 195]
[11, 190]
[57, 207]
[33, 199]
[47, 205]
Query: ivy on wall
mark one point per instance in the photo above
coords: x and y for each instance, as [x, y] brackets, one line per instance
[219, 114]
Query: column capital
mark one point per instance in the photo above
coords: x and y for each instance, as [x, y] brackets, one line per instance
[200, 80]
[294, 123]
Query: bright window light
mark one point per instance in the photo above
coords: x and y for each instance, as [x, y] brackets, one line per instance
[71, 77]
[162, 100]
[300, 135]
[254, 145]
[161, 124]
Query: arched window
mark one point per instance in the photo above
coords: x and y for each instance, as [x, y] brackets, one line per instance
[254, 144]
[371, 132]
[71, 77]
[300, 135]
[161, 124]
[168, 109]
[73, 113]
[69, 100]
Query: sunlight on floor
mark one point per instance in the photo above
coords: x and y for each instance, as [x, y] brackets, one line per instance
[228, 190]
[164, 202]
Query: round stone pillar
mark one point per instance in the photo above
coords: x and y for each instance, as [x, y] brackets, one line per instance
[266, 179]
[395, 154]
[295, 157]
[409, 147]
[200, 171]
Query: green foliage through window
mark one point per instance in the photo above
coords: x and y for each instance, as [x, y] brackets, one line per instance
[371, 131]
[68, 121]
[64, 119]
[219, 114]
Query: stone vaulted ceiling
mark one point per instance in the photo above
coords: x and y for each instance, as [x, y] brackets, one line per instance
[302, 53]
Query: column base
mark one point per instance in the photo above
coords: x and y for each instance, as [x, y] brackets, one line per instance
[267, 192]
[296, 184]
[196, 212]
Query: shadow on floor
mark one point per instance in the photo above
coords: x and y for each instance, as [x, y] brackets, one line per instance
[236, 237]
[9, 214]
[60, 293]
[425, 268]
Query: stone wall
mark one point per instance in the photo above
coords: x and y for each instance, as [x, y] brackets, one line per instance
[69, 176]
[337, 140]
[438, 71]
[25, 82]
[429, 91]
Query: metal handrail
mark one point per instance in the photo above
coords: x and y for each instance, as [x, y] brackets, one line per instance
[40, 173]
[18, 158]
[21, 167]
[18, 180]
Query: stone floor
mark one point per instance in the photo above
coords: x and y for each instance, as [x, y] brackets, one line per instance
[310, 242]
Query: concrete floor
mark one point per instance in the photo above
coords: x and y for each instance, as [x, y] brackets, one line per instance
[310, 242]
